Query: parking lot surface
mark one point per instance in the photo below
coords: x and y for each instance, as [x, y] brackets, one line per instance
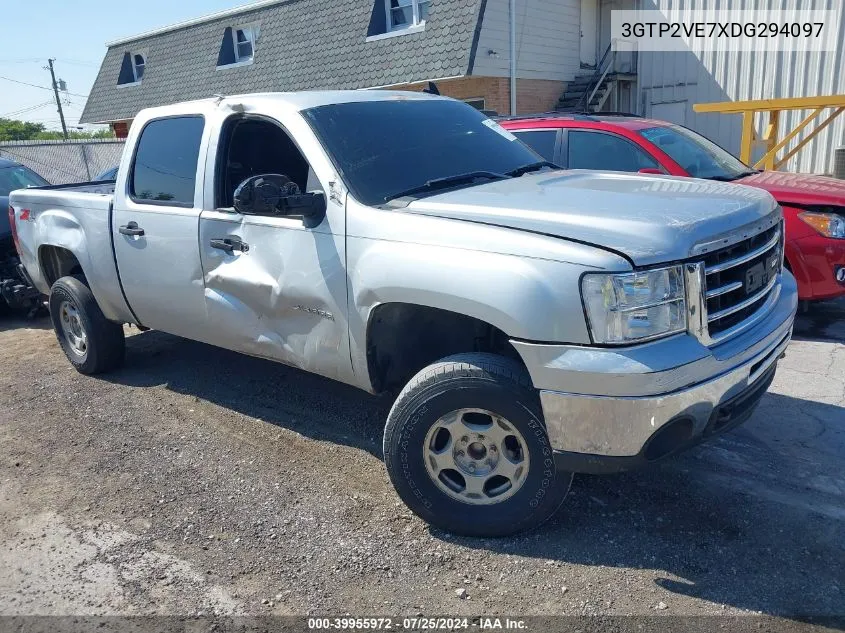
[195, 480]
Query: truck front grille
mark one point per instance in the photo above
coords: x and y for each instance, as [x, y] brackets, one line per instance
[739, 279]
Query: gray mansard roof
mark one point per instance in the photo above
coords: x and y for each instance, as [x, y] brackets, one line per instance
[302, 44]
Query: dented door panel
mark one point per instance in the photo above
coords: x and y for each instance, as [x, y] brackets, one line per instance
[283, 297]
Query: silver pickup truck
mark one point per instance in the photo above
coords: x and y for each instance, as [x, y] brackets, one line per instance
[534, 322]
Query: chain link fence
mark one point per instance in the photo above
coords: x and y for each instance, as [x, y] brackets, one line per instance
[61, 162]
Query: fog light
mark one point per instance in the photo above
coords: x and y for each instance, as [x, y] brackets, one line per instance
[840, 274]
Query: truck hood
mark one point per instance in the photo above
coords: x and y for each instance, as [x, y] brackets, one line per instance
[648, 219]
[799, 188]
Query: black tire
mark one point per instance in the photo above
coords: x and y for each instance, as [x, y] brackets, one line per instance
[105, 345]
[483, 381]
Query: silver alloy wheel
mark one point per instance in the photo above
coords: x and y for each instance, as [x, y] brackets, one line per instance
[72, 328]
[476, 456]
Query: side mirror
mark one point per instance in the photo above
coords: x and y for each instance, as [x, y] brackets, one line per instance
[311, 206]
[260, 195]
[652, 170]
[276, 194]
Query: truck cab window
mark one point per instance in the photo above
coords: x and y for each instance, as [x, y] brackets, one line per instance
[541, 141]
[164, 170]
[605, 151]
[252, 147]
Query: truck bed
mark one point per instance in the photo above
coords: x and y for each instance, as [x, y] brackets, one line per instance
[98, 187]
[76, 220]
[95, 196]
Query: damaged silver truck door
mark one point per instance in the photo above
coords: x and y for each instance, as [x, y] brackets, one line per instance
[154, 226]
[275, 279]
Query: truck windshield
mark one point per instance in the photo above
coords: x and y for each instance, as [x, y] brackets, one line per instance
[700, 157]
[384, 149]
[18, 177]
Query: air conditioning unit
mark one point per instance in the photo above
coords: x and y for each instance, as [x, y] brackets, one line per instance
[839, 163]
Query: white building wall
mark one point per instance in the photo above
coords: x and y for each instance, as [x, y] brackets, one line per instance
[670, 83]
[547, 40]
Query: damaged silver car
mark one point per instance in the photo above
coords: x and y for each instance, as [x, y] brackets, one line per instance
[534, 322]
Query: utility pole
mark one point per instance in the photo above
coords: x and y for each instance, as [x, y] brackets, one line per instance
[56, 92]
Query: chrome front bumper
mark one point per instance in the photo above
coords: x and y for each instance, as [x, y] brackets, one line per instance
[612, 402]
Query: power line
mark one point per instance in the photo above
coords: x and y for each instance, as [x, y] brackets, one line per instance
[23, 83]
[79, 62]
[26, 109]
[35, 60]
[20, 61]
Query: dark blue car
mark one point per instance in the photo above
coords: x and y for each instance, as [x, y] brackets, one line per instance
[14, 289]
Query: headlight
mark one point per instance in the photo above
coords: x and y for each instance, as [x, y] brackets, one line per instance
[828, 224]
[628, 307]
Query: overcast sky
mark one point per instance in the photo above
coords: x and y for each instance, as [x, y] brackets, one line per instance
[74, 32]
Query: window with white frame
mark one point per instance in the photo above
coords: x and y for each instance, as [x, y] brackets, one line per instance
[138, 64]
[132, 68]
[237, 47]
[244, 41]
[403, 14]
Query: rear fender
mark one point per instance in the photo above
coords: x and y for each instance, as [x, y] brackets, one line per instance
[85, 235]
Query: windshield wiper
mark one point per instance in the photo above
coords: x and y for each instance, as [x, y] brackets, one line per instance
[742, 174]
[519, 171]
[448, 181]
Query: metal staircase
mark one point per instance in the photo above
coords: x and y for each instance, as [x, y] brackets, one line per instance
[590, 92]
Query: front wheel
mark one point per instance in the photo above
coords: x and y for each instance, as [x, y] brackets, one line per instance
[92, 343]
[466, 450]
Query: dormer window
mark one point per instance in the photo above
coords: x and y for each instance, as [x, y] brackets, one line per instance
[132, 68]
[403, 14]
[138, 64]
[238, 46]
[244, 44]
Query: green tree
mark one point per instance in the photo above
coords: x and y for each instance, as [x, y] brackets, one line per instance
[52, 135]
[13, 130]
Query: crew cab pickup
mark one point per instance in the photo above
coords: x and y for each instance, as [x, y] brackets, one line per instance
[535, 322]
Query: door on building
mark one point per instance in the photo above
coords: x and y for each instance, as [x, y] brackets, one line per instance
[589, 32]
[674, 112]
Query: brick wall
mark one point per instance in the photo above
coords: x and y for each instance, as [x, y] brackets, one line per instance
[532, 95]
[121, 128]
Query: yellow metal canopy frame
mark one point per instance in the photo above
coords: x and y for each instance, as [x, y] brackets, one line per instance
[748, 110]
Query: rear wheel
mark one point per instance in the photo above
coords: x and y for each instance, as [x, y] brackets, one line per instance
[92, 343]
[466, 449]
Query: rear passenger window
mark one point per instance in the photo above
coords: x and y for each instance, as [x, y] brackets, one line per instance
[541, 141]
[165, 166]
[602, 151]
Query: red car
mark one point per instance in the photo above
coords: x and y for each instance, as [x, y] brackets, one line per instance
[813, 206]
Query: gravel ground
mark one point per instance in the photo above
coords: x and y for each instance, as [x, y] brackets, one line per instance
[198, 480]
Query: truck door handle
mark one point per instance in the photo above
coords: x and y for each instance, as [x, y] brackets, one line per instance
[229, 244]
[131, 229]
